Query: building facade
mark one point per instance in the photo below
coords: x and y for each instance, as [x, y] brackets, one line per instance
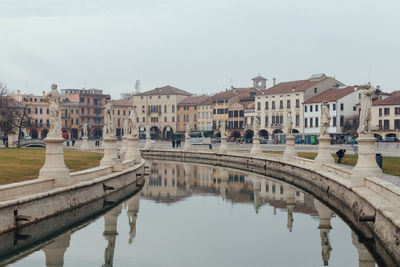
[121, 111]
[205, 115]
[188, 112]
[273, 104]
[157, 109]
[385, 115]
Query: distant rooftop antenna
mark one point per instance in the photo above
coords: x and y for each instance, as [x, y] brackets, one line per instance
[137, 87]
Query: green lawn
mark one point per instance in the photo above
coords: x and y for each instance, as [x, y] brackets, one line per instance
[20, 164]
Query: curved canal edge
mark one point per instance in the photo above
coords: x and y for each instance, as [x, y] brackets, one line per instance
[32, 201]
[373, 211]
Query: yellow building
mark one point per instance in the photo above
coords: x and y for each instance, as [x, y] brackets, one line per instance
[385, 115]
[188, 112]
[205, 115]
[157, 108]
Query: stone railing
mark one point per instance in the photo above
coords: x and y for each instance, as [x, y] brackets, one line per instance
[373, 209]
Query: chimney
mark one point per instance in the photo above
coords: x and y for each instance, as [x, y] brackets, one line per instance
[273, 81]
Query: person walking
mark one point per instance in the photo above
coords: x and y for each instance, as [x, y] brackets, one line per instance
[173, 143]
[340, 154]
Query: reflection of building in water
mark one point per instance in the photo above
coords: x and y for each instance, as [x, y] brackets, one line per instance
[133, 209]
[365, 259]
[325, 215]
[171, 181]
[55, 250]
[110, 233]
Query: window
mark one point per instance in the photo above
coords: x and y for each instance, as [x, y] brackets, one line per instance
[165, 119]
[311, 108]
[341, 106]
[165, 108]
[76, 121]
[48, 111]
[36, 110]
[315, 90]
[41, 111]
[119, 112]
[311, 122]
[124, 113]
[380, 125]
[305, 108]
[266, 120]
[316, 107]
[386, 111]
[305, 123]
[281, 104]
[397, 111]
[258, 105]
[380, 111]
[144, 119]
[72, 111]
[266, 105]
[66, 112]
[173, 108]
[334, 121]
[72, 121]
[397, 124]
[173, 119]
[288, 104]
[297, 103]
[83, 111]
[386, 125]
[316, 122]
[273, 104]
[333, 106]
[354, 108]
[29, 110]
[143, 109]
[297, 119]
[341, 123]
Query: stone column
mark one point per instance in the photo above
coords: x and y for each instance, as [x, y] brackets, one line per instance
[54, 165]
[110, 233]
[133, 209]
[148, 138]
[124, 147]
[187, 146]
[366, 163]
[365, 259]
[85, 143]
[132, 152]
[54, 251]
[324, 152]
[290, 195]
[325, 215]
[223, 147]
[255, 149]
[110, 158]
[290, 150]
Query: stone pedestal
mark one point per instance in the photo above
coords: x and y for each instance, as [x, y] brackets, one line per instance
[124, 147]
[255, 149]
[366, 163]
[223, 147]
[290, 150]
[110, 158]
[324, 152]
[132, 152]
[55, 251]
[54, 166]
[187, 146]
[85, 143]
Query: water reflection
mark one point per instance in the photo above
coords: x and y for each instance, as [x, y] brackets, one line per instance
[173, 183]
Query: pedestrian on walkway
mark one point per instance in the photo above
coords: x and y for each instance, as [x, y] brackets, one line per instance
[173, 143]
[340, 154]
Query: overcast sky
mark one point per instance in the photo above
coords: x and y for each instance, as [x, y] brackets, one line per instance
[201, 46]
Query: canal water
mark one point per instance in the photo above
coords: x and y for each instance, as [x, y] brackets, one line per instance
[198, 215]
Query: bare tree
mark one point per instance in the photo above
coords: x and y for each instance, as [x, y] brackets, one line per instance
[351, 124]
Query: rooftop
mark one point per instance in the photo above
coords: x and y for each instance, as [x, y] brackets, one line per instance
[332, 94]
[394, 99]
[124, 103]
[232, 92]
[194, 100]
[166, 90]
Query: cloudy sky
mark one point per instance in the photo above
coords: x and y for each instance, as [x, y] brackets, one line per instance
[201, 46]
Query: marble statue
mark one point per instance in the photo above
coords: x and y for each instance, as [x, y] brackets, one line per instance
[367, 93]
[85, 129]
[187, 133]
[108, 120]
[325, 119]
[326, 247]
[222, 129]
[289, 123]
[54, 100]
[256, 126]
[133, 123]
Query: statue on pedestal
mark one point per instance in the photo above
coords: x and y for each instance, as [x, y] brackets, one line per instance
[289, 123]
[222, 129]
[325, 119]
[367, 94]
[187, 133]
[108, 120]
[256, 126]
[133, 123]
[54, 100]
[85, 129]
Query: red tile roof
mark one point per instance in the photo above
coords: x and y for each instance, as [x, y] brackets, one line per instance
[332, 94]
[391, 100]
[121, 103]
[290, 87]
[232, 92]
[166, 90]
[194, 100]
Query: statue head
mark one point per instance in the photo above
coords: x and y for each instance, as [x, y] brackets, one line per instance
[54, 86]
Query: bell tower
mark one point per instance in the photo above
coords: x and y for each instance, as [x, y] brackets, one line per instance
[259, 82]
